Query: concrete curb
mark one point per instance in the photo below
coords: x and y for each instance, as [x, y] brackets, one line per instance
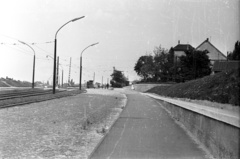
[105, 135]
[211, 112]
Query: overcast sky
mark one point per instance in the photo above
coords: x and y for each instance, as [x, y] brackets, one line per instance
[125, 30]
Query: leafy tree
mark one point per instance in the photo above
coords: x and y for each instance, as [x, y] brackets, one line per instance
[158, 67]
[118, 79]
[144, 67]
[195, 64]
[163, 62]
[235, 55]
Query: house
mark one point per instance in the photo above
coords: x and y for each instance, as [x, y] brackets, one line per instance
[220, 66]
[180, 49]
[213, 53]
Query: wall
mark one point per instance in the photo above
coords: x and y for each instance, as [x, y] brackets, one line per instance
[220, 138]
[145, 87]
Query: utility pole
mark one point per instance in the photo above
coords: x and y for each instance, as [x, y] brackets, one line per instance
[93, 77]
[62, 78]
[57, 72]
[102, 81]
[69, 75]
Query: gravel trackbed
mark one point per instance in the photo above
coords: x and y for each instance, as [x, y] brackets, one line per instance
[68, 127]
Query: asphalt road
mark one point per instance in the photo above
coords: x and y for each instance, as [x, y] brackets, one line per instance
[145, 130]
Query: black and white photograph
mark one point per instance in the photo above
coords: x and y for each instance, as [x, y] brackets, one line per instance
[119, 79]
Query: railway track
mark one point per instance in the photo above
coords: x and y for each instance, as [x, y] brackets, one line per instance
[22, 94]
[22, 98]
[27, 102]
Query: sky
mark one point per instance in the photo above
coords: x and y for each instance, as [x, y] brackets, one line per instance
[125, 30]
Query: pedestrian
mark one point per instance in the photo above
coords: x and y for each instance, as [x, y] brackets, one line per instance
[132, 87]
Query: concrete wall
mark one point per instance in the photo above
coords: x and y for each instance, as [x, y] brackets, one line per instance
[145, 87]
[220, 138]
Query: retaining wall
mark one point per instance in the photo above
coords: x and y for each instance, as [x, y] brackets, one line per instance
[217, 131]
[145, 87]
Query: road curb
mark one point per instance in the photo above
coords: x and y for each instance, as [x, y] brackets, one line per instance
[105, 135]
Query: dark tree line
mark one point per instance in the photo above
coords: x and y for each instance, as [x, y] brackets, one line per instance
[235, 55]
[163, 66]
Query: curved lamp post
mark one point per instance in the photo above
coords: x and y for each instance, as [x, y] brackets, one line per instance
[55, 51]
[80, 80]
[33, 61]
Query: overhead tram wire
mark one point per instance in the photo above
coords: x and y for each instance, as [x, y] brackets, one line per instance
[42, 50]
[33, 43]
[22, 51]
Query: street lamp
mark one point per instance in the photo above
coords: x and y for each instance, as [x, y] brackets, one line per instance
[80, 80]
[33, 61]
[55, 51]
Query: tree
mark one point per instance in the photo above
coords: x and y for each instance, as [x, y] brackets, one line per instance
[235, 55]
[144, 67]
[195, 64]
[159, 67]
[118, 79]
[163, 62]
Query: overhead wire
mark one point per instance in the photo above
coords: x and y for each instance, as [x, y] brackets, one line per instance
[28, 53]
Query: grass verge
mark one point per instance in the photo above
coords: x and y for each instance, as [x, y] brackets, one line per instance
[221, 88]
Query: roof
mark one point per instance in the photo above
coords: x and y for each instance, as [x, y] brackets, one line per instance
[214, 53]
[183, 47]
[225, 65]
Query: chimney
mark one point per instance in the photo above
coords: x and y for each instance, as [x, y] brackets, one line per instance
[207, 39]
[178, 41]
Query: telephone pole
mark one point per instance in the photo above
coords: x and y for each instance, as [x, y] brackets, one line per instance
[69, 75]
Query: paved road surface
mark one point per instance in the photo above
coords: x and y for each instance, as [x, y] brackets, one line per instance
[145, 130]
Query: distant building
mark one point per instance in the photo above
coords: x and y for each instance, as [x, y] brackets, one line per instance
[220, 66]
[90, 84]
[213, 53]
[180, 49]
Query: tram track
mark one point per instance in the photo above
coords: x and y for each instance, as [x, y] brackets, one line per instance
[23, 99]
[23, 94]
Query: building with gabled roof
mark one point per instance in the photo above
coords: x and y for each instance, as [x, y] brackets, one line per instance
[180, 49]
[213, 53]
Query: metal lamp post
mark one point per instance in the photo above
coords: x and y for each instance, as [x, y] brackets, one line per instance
[33, 61]
[55, 51]
[80, 80]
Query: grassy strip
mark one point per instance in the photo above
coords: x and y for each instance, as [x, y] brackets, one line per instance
[221, 88]
[40, 97]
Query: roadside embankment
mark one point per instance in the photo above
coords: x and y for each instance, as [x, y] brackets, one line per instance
[221, 88]
[217, 129]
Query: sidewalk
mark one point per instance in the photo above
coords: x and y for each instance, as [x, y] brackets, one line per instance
[145, 130]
